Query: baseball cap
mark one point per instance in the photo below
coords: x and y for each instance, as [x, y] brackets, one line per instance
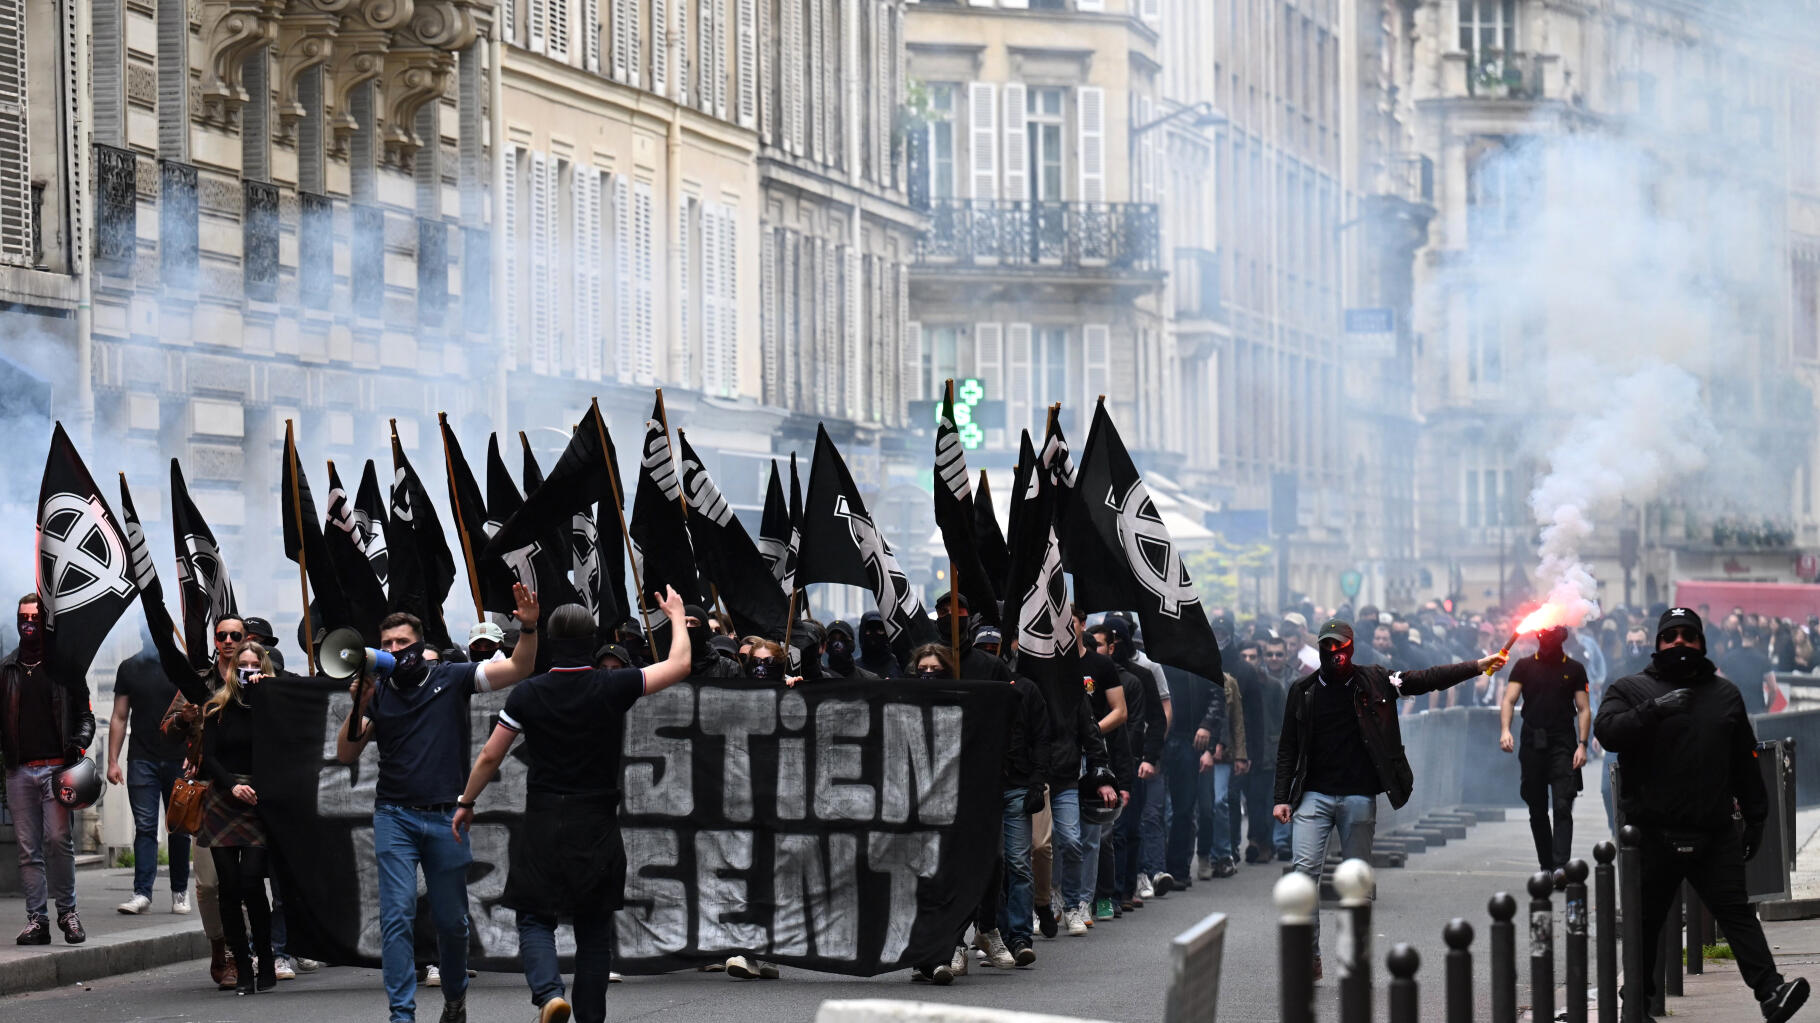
[988, 634]
[261, 630]
[1295, 618]
[1337, 629]
[613, 650]
[1674, 617]
[487, 631]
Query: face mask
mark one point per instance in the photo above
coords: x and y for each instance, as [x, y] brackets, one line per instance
[840, 653]
[1677, 661]
[764, 669]
[698, 639]
[1634, 648]
[874, 644]
[31, 634]
[928, 673]
[1336, 662]
[411, 669]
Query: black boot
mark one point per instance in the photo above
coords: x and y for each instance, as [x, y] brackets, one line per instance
[259, 918]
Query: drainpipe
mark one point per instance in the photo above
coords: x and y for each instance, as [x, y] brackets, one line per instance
[76, 150]
[496, 139]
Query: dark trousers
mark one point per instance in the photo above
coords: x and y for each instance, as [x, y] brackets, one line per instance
[1182, 771]
[1126, 839]
[1713, 863]
[1549, 783]
[593, 958]
[241, 872]
[1260, 826]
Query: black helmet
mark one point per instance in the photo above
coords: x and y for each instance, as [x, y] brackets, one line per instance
[80, 784]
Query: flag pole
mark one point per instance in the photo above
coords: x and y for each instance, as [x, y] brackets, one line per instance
[175, 631]
[954, 572]
[790, 619]
[619, 505]
[461, 524]
[303, 570]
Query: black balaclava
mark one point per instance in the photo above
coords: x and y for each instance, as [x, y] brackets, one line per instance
[1550, 641]
[1680, 663]
[874, 638]
[840, 647]
[699, 635]
[31, 636]
[410, 668]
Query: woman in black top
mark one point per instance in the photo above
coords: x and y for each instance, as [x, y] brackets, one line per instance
[231, 828]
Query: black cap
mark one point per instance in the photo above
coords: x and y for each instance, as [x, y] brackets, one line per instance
[260, 629]
[841, 626]
[613, 650]
[1335, 629]
[959, 600]
[1676, 617]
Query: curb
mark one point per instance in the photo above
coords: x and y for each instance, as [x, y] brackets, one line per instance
[102, 957]
[1792, 909]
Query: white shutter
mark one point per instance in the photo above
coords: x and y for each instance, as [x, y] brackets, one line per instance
[748, 63]
[660, 46]
[711, 382]
[647, 329]
[982, 114]
[1089, 5]
[818, 84]
[768, 313]
[790, 291]
[704, 60]
[792, 50]
[16, 246]
[1146, 171]
[1017, 154]
[856, 361]
[683, 242]
[729, 310]
[720, 59]
[635, 74]
[912, 362]
[900, 318]
[597, 258]
[539, 19]
[1096, 361]
[1152, 11]
[509, 322]
[508, 11]
[1090, 110]
[767, 83]
[988, 360]
[541, 222]
[590, 34]
[619, 43]
[1017, 390]
[580, 181]
[884, 64]
[559, 29]
[625, 344]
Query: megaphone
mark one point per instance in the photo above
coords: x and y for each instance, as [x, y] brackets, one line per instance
[345, 654]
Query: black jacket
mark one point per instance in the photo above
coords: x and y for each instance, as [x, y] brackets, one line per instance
[1682, 771]
[1375, 703]
[69, 704]
[1071, 737]
[1027, 735]
[1197, 703]
[1146, 723]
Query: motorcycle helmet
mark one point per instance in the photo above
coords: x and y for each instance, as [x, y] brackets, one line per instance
[80, 784]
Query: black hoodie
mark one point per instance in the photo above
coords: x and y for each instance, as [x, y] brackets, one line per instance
[884, 664]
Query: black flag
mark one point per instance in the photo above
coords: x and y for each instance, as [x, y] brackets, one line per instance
[994, 555]
[777, 533]
[204, 587]
[954, 516]
[85, 568]
[369, 519]
[1119, 511]
[533, 475]
[1036, 602]
[423, 570]
[728, 557]
[348, 535]
[1020, 484]
[534, 541]
[490, 578]
[305, 544]
[842, 545]
[171, 658]
[660, 535]
[503, 498]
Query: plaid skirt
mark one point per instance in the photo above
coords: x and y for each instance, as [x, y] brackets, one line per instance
[227, 822]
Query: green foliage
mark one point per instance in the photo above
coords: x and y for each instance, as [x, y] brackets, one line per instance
[1218, 568]
[1722, 950]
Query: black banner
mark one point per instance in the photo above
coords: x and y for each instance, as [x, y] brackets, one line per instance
[204, 587]
[842, 827]
[727, 556]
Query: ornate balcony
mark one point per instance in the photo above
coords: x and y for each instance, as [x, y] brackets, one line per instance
[259, 230]
[116, 210]
[178, 240]
[1497, 74]
[988, 234]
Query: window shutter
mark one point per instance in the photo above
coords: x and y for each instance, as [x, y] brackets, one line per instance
[624, 342]
[539, 24]
[597, 258]
[720, 59]
[729, 311]
[635, 74]
[767, 312]
[988, 358]
[1090, 5]
[818, 83]
[1017, 184]
[684, 240]
[789, 294]
[1091, 112]
[559, 29]
[983, 150]
[1017, 389]
[508, 12]
[856, 362]
[541, 222]
[704, 59]
[1152, 11]
[647, 329]
[173, 80]
[710, 299]
[792, 50]
[580, 178]
[509, 322]
[912, 363]
[900, 315]
[1096, 361]
[590, 34]
[885, 63]
[748, 63]
[767, 109]
[660, 47]
[16, 246]
[1146, 170]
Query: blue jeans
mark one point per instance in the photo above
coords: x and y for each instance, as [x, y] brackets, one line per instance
[1317, 817]
[1188, 789]
[47, 848]
[1215, 813]
[148, 787]
[593, 958]
[1093, 840]
[404, 840]
[1065, 841]
[1016, 918]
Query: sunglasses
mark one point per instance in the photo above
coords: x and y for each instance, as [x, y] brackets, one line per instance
[229, 637]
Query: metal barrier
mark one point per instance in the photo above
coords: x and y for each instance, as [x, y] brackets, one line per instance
[1195, 956]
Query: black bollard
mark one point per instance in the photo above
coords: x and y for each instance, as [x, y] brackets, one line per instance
[1630, 866]
[1458, 935]
[1575, 908]
[1606, 887]
[1403, 963]
[1696, 929]
[1671, 947]
[1503, 958]
[1541, 946]
[1353, 880]
[1296, 897]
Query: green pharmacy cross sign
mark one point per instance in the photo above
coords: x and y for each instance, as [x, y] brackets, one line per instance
[968, 394]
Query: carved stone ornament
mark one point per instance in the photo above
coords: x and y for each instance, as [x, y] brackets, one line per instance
[232, 29]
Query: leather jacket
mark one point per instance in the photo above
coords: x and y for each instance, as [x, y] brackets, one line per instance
[69, 704]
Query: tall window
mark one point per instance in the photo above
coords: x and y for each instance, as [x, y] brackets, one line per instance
[946, 356]
[941, 140]
[1043, 132]
[1049, 367]
[1485, 347]
[1488, 28]
[1489, 497]
[1494, 187]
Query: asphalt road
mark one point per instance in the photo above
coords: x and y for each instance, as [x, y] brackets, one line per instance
[1117, 972]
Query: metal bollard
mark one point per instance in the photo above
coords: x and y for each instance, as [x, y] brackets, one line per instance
[1503, 958]
[1575, 909]
[1458, 935]
[1606, 885]
[1630, 866]
[1671, 947]
[1353, 880]
[1696, 929]
[1403, 963]
[1541, 946]
[1296, 897]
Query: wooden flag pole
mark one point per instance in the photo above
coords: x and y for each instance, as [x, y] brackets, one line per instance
[303, 570]
[619, 505]
[461, 527]
[790, 619]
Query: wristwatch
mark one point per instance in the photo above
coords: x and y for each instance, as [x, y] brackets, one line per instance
[464, 803]
[527, 629]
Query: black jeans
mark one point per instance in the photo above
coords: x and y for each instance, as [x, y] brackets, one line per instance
[240, 872]
[1549, 783]
[1713, 863]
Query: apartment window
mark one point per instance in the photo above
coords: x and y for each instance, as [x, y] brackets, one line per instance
[941, 140]
[1049, 366]
[1489, 497]
[947, 355]
[1485, 347]
[1043, 126]
[1493, 191]
[1488, 28]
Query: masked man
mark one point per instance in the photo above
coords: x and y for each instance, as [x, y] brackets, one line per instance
[840, 648]
[875, 647]
[1556, 722]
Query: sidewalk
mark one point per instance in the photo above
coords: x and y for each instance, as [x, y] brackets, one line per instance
[117, 943]
[1720, 994]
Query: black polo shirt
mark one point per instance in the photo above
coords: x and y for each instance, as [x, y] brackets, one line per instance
[1548, 690]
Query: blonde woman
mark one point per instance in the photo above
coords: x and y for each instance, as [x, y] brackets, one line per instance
[231, 827]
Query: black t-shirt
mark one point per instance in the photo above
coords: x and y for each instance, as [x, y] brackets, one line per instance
[1746, 666]
[1548, 691]
[40, 733]
[1097, 674]
[148, 691]
[422, 732]
[1338, 762]
[562, 714]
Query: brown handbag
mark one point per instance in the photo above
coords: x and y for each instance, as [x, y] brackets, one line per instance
[184, 813]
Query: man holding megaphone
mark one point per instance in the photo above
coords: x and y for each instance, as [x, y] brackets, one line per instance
[417, 711]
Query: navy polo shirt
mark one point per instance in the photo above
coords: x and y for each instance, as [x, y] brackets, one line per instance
[422, 733]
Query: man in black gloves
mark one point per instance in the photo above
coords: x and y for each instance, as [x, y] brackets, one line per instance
[1688, 751]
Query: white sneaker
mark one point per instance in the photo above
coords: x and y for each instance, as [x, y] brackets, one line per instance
[135, 905]
[1077, 921]
[432, 977]
[180, 902]
[992, 948]
[742, 968]
[613, 977]
[303, 965]
[1203, 868]
[283, 970]
[1144, 890]
[1085, 910]
[958, 965]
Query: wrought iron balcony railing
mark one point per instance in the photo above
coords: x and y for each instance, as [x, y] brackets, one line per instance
[1499, 74]
[116, 209]
[259, 230]
[989, 233]
[179, 249]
